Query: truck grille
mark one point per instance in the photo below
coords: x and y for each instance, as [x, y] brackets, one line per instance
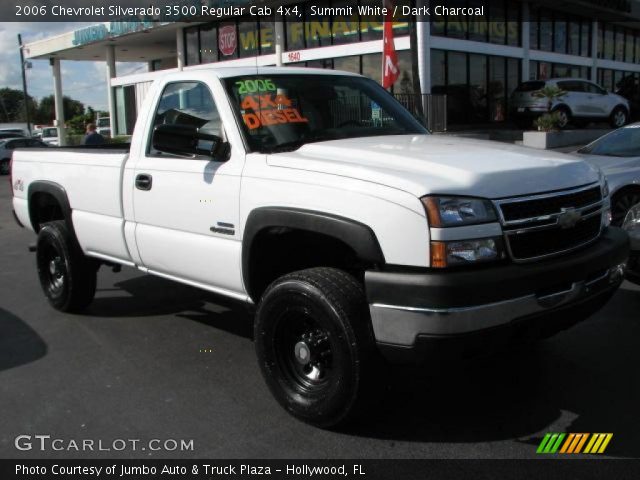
[550, 224]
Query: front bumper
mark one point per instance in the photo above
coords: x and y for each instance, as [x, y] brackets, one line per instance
[407, 306]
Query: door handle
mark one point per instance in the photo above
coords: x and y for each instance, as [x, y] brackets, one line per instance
[144, 181]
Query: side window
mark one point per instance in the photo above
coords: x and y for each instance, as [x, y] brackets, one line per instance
[571, 86]
[591, 88]
[188, 104]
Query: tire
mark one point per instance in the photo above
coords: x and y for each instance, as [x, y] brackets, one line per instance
[564, 117]
[620, 205]
[67, 276]
[315, 345]
[619, 117]
[5, 166]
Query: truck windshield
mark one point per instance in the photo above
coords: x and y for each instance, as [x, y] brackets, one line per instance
[49, 132]
[103, 122]
[283, 112]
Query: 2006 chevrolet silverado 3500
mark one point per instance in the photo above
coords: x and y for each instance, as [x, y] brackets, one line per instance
[319, 199]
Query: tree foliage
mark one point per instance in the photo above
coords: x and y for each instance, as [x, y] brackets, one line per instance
[12, 105]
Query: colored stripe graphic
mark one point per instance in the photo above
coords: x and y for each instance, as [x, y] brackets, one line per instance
[550, 443]
[573, 443]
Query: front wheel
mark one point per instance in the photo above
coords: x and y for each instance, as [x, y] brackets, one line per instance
[564, 117]
[315, 345]
[619, 117]
[67, 277]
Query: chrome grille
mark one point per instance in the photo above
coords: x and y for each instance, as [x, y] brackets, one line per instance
[544, 225]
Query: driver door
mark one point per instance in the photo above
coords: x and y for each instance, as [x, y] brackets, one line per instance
[186, 208]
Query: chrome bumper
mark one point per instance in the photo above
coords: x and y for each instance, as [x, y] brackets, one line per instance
[400, 325]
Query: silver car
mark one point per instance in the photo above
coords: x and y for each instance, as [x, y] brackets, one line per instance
[632, 226]
[617, 154]
[8, 145]
[583, 102]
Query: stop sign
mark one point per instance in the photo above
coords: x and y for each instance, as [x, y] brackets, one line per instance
[227, 40]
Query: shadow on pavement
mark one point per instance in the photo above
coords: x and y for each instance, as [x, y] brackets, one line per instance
[151, 296]
[586, 376]
[19, 343]
[589, 374]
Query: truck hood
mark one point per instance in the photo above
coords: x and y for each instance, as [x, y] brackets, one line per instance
[424, 164]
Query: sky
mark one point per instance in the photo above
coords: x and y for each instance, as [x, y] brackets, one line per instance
[83, 81]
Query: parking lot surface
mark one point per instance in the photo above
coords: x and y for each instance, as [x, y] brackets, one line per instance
[151, 359]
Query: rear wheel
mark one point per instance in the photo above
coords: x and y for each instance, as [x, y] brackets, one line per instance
[5, 167]
[619, 117]
[315, 345]
[564, 117]
[67, 276]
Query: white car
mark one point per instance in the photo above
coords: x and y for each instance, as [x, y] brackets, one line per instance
[49, 136]
[617, 154]
[583, 102]
[314, 196]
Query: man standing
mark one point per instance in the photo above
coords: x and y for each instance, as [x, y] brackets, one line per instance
[92, 137]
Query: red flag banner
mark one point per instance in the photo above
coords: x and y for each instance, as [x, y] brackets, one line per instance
[390, 69]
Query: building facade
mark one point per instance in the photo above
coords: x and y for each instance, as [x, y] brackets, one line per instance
[477, 61]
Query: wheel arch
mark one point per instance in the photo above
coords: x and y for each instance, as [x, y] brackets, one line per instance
[43, 193]
[339, 232]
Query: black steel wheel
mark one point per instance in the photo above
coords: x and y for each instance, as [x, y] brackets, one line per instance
[315, 344]
[67, 277]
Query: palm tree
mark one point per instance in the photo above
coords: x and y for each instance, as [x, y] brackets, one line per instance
[551, 93]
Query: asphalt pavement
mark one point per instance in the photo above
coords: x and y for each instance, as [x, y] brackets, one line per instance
[151, 359]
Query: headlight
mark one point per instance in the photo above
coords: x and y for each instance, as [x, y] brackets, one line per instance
[458, 211]
[465, 252]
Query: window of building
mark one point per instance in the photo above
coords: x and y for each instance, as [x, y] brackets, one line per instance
[629, 46]
[248, 38]
[348, 64]
[126, 110]
[573, 43]
[585, 38]
[609, 46]
[344, 29]
[546, 32]
[372, 66]
[560, 34]
[192, 46]
[208, 44]
[619, 44]
[267, 36]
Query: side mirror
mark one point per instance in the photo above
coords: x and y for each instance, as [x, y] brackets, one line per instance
[189, 140]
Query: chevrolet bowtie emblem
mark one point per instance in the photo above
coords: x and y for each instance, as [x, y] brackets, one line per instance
[568, 217]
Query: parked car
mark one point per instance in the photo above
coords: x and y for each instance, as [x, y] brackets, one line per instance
[7, 146]
[583, 102]
[618, 155]
[5, 135]
[632, 226]
[314, 196]
[49, 135]
[103, 126]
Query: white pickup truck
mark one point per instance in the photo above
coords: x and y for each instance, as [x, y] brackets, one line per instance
[319, 199]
